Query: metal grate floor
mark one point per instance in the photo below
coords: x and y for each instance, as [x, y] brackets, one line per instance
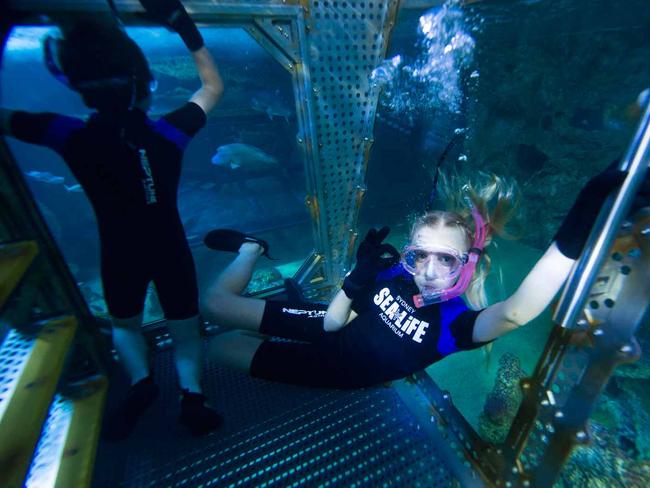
[273, 435]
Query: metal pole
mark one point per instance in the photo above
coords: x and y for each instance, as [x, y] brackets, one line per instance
[606, 227]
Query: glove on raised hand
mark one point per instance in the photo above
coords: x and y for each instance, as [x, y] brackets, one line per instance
[370, 262]
[574, 230]
[173, 15]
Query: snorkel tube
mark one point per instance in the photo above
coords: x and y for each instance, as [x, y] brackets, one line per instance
[474, 254]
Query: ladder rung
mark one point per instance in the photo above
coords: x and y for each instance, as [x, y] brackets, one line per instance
[15, 258]
[32, 366]
[66, 451]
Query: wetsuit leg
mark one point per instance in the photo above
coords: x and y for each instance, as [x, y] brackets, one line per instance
[294, 320]
[175, 278]
[125, 279]
[315, 365]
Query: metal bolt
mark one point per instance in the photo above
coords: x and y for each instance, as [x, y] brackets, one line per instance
[581, 436]
[445, 396]
[300, 141]
[582, 322]
[559, 414]
[290, 67]
[626, 349]
[645, 231]
[599, 332]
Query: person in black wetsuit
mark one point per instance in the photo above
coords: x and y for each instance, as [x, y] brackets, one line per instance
[129, 167]
[396, 313]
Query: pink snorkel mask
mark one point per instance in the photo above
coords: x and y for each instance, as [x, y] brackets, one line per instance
[466, 273]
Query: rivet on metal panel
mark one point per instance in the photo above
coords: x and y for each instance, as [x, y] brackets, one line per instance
[559, 414]
[599, 332]
[290, 67]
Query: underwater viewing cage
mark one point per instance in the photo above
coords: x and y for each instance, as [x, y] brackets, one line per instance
[53, 360]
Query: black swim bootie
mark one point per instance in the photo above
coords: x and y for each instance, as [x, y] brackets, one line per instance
[231, 240]
[196, 415]
[122, 421]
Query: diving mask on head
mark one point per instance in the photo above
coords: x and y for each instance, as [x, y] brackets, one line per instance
[51, 45]
[448, 263]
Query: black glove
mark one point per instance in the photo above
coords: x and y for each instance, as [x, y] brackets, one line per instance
[576, 227]
[370, 262]
[173, 15]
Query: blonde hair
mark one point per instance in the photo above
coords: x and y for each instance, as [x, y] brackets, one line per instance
[495, 198]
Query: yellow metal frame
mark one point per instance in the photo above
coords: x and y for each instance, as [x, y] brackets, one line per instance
[78, 458]
[15, 259]
[23, 417]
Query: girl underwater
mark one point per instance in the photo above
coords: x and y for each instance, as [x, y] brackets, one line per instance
[396, 313]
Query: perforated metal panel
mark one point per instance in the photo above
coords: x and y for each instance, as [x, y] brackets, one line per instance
[14, 355]
[43, 469]
[569, 375]
[275, 435]
[347, 40]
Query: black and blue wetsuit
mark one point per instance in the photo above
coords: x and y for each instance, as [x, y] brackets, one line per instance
[130, 169]
[389, 339]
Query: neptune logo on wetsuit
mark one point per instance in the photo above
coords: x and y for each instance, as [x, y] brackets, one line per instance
[395, 311]
[147, 183]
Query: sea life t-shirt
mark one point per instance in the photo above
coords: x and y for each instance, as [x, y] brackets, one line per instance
[391, 338]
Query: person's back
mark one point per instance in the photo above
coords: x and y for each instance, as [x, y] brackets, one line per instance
[129, 166]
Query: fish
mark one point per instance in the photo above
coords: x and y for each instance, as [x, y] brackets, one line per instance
[45, 177]
[238, 156]
[272, 104]
[73, 188]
